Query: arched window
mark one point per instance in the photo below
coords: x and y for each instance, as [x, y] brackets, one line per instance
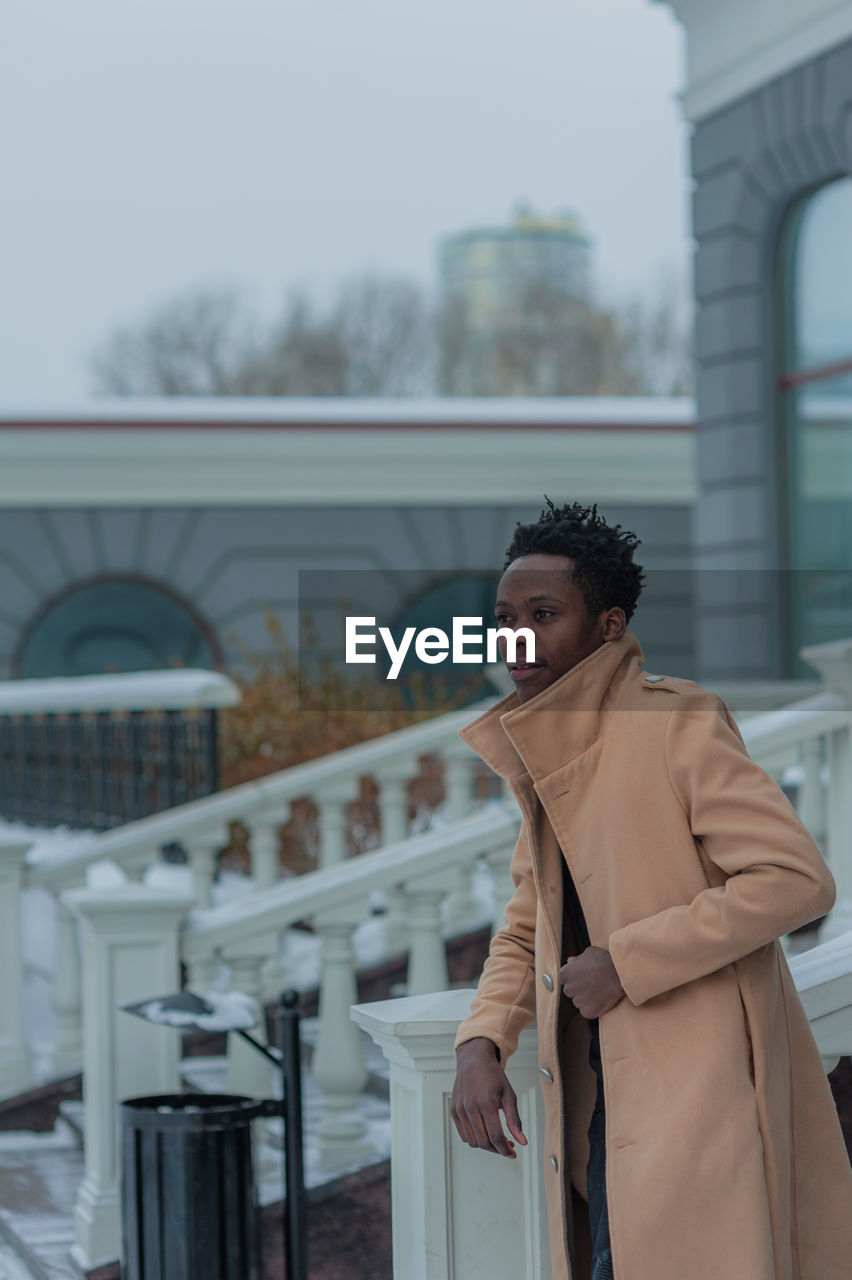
[817, 387]
[118, 625]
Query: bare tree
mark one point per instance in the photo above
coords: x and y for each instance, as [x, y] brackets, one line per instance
[550, 343]
[198, 344]
[376, 338]
[379, 337]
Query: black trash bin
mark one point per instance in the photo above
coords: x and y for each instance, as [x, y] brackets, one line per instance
[189, 1205]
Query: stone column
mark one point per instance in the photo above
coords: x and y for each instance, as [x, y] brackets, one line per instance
[15, 1070]
[129, 938]
[456, 1211]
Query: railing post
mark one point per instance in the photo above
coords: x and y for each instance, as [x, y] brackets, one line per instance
[338, 1064]
[331, 802]
[393, 826]
[265, 843]
[66, 996]
[499, 860]
[248, 1070]
[130, 952]
[459, 781]
[15, 1069]
[427, 957]
[456, 1211]
[201, 854]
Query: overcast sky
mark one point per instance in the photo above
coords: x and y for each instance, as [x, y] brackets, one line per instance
[151, 146]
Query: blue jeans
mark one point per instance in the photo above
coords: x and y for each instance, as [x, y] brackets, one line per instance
[596, 1172]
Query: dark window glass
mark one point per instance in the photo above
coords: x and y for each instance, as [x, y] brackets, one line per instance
[113, 626]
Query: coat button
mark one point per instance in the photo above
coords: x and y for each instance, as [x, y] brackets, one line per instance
[554, 1163]
[547, 980]
[548, 1075]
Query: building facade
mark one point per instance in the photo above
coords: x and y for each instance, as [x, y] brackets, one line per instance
[769, 92]
[143, 534]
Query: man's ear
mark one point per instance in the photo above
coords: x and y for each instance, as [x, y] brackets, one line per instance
[614, 624]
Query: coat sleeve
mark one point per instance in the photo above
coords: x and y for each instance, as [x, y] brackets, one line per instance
[777, 878]
[505, 998]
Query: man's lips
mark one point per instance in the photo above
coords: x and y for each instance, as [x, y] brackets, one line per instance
[523, 670]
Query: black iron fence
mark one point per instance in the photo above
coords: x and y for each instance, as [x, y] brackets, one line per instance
[95, 770]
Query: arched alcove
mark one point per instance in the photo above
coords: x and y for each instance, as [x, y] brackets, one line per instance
[114, 624]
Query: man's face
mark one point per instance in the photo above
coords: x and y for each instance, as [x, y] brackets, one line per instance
[537, 592]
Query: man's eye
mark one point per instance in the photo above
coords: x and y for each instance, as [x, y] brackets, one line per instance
[543, 613]
[501, 617]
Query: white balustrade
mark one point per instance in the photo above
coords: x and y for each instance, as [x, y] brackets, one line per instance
[332, 824]
[265, 844]
[66, 996]
[248, 1070]
[427, 956]
[460, 1212]
[499, 860]
[202, 851]
[15, 1072]
[460, 772]
[393, 826]
[456, 1212]
[130, 952]
[338, 1065]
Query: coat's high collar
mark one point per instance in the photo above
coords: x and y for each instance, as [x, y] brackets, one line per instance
[515, 738]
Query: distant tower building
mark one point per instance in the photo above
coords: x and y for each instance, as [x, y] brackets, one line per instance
[499, 285]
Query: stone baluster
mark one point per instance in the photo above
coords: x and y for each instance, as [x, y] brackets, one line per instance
[129, 940]
[15, 1069]
[248, 1070]
[500, 862]
[66, 996]
[202, 851]
[456, 1212]
[427, 957]
[393, 822]
[460, 765]
[811, 800]
[265, 840]
[331, 801]
[201, 972]
[338, 1066]
[840, 830]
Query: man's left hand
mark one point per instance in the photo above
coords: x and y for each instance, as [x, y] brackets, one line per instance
[591, 981]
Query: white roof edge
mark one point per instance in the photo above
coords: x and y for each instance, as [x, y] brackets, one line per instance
[131, 691]
[245, 411]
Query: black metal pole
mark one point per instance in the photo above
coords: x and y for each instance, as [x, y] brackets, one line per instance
[295, 1205]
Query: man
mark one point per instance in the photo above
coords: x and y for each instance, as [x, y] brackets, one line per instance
[690, 1130]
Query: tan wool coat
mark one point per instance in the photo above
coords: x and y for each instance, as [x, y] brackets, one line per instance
[724, 1155]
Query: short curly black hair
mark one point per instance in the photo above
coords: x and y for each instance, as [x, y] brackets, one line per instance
[602, 554]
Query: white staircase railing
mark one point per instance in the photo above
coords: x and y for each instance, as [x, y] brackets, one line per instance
[459, 1212]
[807, 746]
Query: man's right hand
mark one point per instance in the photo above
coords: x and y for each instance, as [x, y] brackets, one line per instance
[481, 1091]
